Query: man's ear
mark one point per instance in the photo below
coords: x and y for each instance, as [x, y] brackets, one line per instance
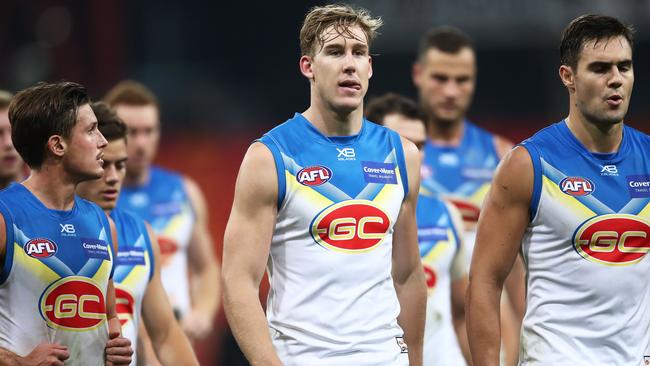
[57, 145]
[306, 67]
[567, 75]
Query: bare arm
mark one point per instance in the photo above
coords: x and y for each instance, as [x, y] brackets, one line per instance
[45, 354]
[205, 283]
[500, 230]
[170, 343]
[502, 145]
[408, 275]
[247, 243]
[459, 282]
[118, 349]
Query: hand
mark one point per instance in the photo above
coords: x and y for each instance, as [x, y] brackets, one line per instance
[118, 350]
[46, 354]
[196, 324]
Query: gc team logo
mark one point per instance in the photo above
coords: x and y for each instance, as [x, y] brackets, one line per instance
[351, 226]
[430, 277]
[73, 303]
[314, 175]
[577, 186]
[613, 239]
[40, 248]
[124, 305]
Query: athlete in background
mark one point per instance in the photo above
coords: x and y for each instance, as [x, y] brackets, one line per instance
[440, 237]
[327, 200]
[57, 300]
[139, 291]
[11, 165]
[460, 157]
[574, 200]
[175, 208]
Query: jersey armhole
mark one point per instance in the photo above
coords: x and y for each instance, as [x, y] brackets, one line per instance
[537, 178]
[272, 145]
[109, 237]
[9, 244]
[401, 161]
[147, 243]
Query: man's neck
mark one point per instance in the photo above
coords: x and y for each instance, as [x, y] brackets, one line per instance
[598, 138]
[332, 123]
[137, 179]
[445, 132]
[52, 186]
[5, 182]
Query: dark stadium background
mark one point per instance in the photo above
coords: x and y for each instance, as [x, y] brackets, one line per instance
[227, 71]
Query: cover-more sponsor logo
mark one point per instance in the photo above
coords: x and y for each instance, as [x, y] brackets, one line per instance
[351, 226]
[73, 303]
[577, 186]
[124, 305]
[40, 248]
[613, 239]
[314, 175]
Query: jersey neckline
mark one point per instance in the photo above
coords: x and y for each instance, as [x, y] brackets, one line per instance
[58, 214]
[330, 140]
[610, 158]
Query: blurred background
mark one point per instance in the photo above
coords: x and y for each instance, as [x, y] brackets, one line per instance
[227, 71]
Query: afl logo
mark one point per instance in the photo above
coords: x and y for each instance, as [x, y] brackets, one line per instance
[613, 239]
[577, 186]
[351, 226]
[314, 175]
[73, 303]
[40, 248]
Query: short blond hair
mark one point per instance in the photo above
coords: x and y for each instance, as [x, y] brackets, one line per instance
[341, 17]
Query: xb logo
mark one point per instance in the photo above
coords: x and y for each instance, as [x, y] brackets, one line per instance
[609, 170]
[346, 153]
[67, 228]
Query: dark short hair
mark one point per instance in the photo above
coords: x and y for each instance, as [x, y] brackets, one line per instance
[5, 99]
[446, 39]
[390, 103]
[130, 92]
[41, 111]
[587, 28]
[109, 124]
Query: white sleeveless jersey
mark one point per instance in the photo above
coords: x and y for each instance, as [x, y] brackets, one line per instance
[163, 202]
[443, 261]
[134, 266]
[54, 277]
[332, 300]
[585, 250]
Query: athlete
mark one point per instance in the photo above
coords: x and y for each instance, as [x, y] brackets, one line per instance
[176, 209]
[327, 200]
[57, 300]
[574, 200]
[459, 156]
[11, 165]
[137, 278]
[441, 246]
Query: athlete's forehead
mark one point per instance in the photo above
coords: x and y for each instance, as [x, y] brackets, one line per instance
[462, 61]
[607, 50]
[337, 35]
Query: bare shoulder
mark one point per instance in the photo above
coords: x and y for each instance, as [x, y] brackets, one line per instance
[257, 174]
[410, 150]
[514, 176]
[502, 145]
